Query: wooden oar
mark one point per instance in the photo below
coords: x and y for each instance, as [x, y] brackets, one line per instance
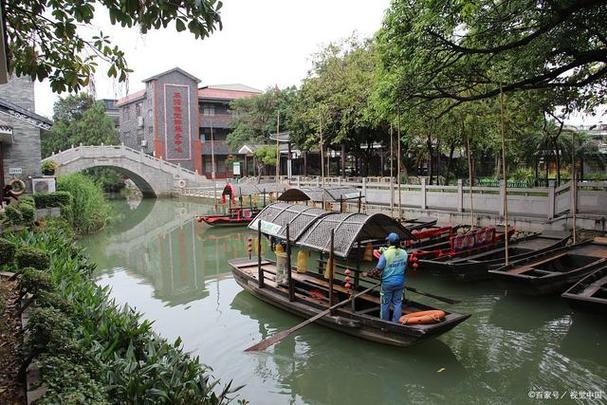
[264, 344]
[436, 297]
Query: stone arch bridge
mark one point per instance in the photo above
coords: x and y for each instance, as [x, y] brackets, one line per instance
[154, 177]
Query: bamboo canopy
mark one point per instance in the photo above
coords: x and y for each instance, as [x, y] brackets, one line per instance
[311, 227]
[319, 194]
[244, 189]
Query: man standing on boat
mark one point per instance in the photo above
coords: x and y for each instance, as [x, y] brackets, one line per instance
[391, 266]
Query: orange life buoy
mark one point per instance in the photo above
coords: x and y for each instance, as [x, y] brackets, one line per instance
[423, 317]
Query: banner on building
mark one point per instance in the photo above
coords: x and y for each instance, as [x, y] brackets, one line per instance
[177, 122]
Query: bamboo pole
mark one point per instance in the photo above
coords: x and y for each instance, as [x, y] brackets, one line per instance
[573, 188]
[289, 275]
[391, 171]
[322, 156]
[504, 171]
[398, 163]
[260, 279]
[331, 265]
[472, 221]
[277, 146]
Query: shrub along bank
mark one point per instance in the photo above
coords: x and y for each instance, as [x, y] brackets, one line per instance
[89, 210]
[88, 349]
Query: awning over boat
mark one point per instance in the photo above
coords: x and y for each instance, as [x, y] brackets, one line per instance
[275, 217]
[311, 227]
[350, 228]
[246, 189]
[318, 194]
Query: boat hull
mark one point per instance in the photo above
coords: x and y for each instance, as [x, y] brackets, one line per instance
[590, 293]
[361, 326]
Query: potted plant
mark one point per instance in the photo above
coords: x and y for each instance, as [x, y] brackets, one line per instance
[49, 167]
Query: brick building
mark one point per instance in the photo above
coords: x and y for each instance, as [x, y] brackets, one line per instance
[19, 131]
[174, 119]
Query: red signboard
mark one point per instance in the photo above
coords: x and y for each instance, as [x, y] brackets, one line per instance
[177, 122]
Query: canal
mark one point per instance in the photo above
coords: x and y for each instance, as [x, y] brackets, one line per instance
[512, 350]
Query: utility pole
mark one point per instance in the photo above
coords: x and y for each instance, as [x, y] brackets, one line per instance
[573, 188]
[391, 171]
[212, 154]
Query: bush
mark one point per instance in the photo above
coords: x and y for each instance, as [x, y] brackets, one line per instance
[48, 167]
[89, 210]
[32, 257]
[13, 214]
[89, 350]
[28, 212]
[35, 281]
[28, 199]
[7, 251]
[53, 200]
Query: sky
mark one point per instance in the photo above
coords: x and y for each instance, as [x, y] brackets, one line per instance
[263, 43]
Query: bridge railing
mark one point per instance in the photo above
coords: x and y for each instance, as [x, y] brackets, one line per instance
[112, 151]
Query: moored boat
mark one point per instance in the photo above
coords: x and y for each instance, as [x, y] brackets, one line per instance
[555, 270]
[307, 294]
[311, 298]
[477, 266]
[590, 293]
[234, 217]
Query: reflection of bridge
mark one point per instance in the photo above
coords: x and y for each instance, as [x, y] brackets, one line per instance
[153, 176]
[164, 246]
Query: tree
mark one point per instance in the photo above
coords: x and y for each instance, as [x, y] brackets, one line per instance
[473, 49]
[78, 119]
[336, 98]
[264, 156]
[255, 118]
[44, 41]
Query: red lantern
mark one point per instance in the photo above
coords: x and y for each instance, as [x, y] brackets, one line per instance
[348, 285]
[347, 272]
[347, 280]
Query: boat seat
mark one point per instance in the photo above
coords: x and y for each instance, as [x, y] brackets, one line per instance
[544, 272]
[595, 286]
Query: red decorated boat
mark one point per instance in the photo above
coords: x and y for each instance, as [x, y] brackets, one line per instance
[234, 217]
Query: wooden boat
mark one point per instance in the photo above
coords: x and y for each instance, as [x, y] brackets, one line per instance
[555, 270]
[308, 294]
[477, 266]
[363, 321]
[590, 293]
[234, 217]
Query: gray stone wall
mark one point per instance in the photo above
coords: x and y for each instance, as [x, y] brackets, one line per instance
[24, 152]
[131, 132]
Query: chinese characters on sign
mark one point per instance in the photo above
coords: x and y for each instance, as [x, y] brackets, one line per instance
[177, 122]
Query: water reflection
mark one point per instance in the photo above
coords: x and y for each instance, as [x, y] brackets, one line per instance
[174, 271]
[322, 366]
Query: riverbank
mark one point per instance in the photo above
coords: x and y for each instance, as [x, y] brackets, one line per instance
[81, 345]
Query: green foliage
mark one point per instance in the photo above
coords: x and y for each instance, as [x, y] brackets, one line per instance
[7, 251]
[265, 156]
[255, 118]
[335, 97]
[35, 281]
[468, 50]
[28, 212]
[48, 167]
[91, 351]
[13, 214]
[52, 200]
[89, 210]
[32, 257]
[44, 41]
[78, 119]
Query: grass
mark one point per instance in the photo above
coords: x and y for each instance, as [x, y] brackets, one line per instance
[89, 211]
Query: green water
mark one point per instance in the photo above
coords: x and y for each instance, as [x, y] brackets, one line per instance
[174, 271]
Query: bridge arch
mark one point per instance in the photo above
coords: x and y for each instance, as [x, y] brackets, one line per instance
[154, 177]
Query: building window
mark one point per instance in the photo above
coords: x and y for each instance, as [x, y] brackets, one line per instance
[208, 110]
[138, 110]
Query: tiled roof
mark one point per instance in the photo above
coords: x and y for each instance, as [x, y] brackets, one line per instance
[235, 87]
[175, 69]
[227, 92]
[130, 98]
